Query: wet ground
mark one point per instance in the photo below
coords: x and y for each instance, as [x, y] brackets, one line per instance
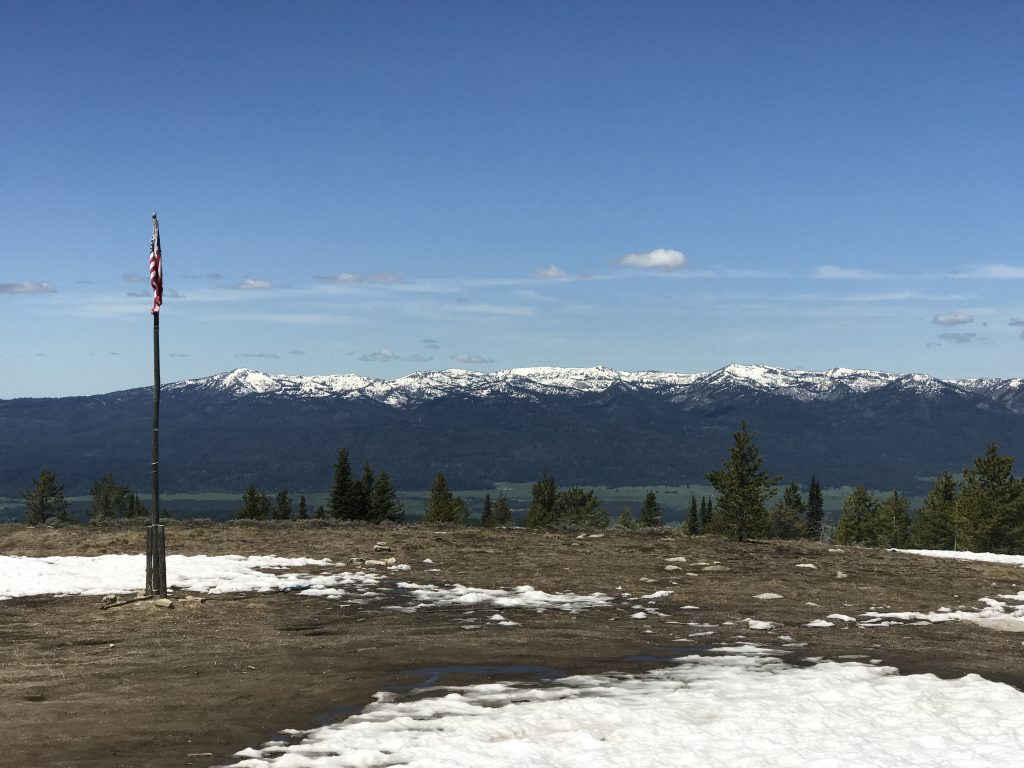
[147, 686]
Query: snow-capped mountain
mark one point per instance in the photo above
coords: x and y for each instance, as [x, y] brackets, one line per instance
[592, 426]
[536, 383]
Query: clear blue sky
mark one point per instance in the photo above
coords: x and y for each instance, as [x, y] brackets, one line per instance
[382, 187]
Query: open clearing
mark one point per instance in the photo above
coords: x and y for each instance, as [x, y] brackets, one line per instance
[142, 685]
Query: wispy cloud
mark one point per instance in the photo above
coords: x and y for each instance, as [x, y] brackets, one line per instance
[253, 284]
[1016, 321]
[550, 273]
[297, 353]
[384, 356]
[472, 359]
[177, 354]
[491, 309]
[661, 258]
[958, 338]
[27, 286]
[381, 278]
[952, 318]
[265, 355]
[431, 344]
[170, 293]
[991, 272]
[133, 277]
[832, 272]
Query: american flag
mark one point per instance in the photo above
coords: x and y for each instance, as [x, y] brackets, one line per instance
[156, 267]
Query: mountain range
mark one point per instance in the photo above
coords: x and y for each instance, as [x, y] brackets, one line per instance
[586, 425]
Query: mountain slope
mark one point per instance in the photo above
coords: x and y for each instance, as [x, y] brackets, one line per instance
[588, 425]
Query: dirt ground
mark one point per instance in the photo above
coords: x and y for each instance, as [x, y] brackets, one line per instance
[147, 686]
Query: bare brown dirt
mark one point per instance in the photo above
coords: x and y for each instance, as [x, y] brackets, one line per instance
[145, 686]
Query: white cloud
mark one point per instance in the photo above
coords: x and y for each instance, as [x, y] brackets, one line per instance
[992, 272]
[383, 278]
[385, 356]
[491, 309]
[472, 359]
[253, 284]
[959, 338]
[1016, 321]
[550, 273]
[27, 286]
[952, 318]
[661, 258]
[832, 272]
[266, 355]
[132, 277]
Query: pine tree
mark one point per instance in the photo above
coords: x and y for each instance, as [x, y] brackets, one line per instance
[487, 518]
[341, 503]
[743, 489]
[815, 511]
[109, 499]
[303, 514]
[45, 499]
[706, 516]
[932, 528]
[320, 512]
[502, 511]
[692, 519]
[135, 507]
[856, 525]
[626, 519]
[988, 515]
[362, 491]
[892, 521]
[282, 506]
[542, 506]
[384, 503]
[255, 505]
[787, 517]
[650, 515]
[443, 506]
[577, 508]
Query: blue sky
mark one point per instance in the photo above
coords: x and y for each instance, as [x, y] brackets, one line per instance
[384, 187]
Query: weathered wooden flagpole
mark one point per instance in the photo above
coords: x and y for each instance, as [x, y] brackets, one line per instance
[156, 555]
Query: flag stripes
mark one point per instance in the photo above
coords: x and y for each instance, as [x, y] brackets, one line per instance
[156, 267]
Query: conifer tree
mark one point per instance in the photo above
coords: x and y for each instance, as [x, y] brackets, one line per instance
[302, 514]
[340, 503]
[487, 518]
[135, 507]
[988, 515]
[787, 517]
[892, 521]
[706, 521]
[362, 491]
[857, 523]
[692, 519]
[109, 499]
[815, 511]
[932, 528]
[502, 511]
[320, 512]
[443, 506]
[45, 499]
[542, 505]
[650, 515]
[255, 505]
[577, 508]
[385, 505]
[282, 506]
[626, 518]
[743, 489]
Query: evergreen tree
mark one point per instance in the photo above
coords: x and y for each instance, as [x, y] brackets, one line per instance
[341, 503]
[442, 506]
[815, 511]
[45, 499]
[743, 489]
[650, 515]
[502, 511]
[135, 507]
[706, 515]
[282, 506]
[320, 512]
[988, 515]
[857, 523]
[932, 528]
[109, 499]
[362, 492]
[303, 514]
[787, 517]
[577, 508]
[626, 519]
[692, 519]
[542, 506]
[255, 505]
[892, 521]
[384, 503]
[487, 518]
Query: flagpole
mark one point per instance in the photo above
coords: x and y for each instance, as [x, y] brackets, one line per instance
[156, 556]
